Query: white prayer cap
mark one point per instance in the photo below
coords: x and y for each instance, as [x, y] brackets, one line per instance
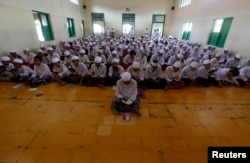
[67, 45]
[205, 57]
[27, 49]
[136, 65]
[49, 48]
[18, 61]
[206, 62]
[150, 46]
[126, 47]
[42, 46]
[55, 60]
[114, 52]
[177, 64]
[194, 64]
[238, 56]
[115, 60]
[126, 76]
[161, 51]
[166, 48]
[66, 53]
[120, 46]
[141, 49]
[217, 55]
[12, 51]
[180, 56]
[226, 49]
[74, 58]
[82, 51]
[98, 59]
[5, 58]
[39, 51]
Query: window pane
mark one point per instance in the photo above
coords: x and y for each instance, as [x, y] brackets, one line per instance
[218, 25]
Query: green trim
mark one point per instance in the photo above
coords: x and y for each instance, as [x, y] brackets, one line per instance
[154, 20]
[71, 27]
[83, 27]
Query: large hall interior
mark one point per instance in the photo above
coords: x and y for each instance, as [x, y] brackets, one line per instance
[74, 120]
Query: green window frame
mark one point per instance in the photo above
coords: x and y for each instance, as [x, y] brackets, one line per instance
[128, 19]
[98, 23]
[43, 26]
[187, 29]
[71, 27]
[158, 21]
[219, 32]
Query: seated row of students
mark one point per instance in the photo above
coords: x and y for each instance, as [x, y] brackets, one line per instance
[176, 76]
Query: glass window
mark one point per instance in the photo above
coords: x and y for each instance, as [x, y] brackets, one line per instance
[98, 23]
[75, 1]
[42, 25]
[128, 22]
[71, 28]
[187, 28]
[184, 3]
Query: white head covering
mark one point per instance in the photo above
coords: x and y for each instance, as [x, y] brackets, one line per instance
[194, 64]
[126, 76]
[161, 51]
[180, 56]
[82, 51]
[115, 60]
[136, 65]
[206, 62]
[39, 51]
[74, 58]
[18, 61]
[12, 51]
[66, 53]
[55, 60]
[238, 56]
[98, 59]
[217, 55]
[114, 52]
[5, 58]
[177, 64]
[49, 48]
[27, 49]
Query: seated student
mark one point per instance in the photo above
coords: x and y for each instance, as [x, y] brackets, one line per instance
[60, 72]
[160, 59]
[79, 72]
[112, 56]
[246, 62]
[6, 62]
[173, 77]
[137, 74]
[153, 78]
[98, 73]
[115, 71]
[126, 93]
[4, 74]
[226, 76]
[234, 62]
[244, 77]
[189, 73]
[129, 59]
[142, 59]
[172, 59]
[20, 72]
[41, 73]
[204, 74]
[102, 56]
[83, 58]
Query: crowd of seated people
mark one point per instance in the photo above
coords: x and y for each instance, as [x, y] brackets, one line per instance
[163, 63]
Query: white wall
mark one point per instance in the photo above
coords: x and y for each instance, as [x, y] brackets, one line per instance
[143, 9]
[203, 12]
[17, 29]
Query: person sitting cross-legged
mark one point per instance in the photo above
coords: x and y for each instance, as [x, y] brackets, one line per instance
[126, 93]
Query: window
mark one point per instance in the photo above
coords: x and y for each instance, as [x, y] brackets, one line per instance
[71, 28]
[43, 27]
[128, 22]
[158, 22]
[98, 23]
[75, 1]
[83, 27]
[219, 32]
[187, 28]
[184, 3]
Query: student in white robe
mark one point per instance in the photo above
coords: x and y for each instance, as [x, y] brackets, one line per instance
[98, 73]
[204, 74]
[126, 96]
[20, 73]
[142, 59]
[41, 74]
[173, 76]
[7, 63]
[137, 74]
[244, 77]
[226, 76]
[79, 71]
[115, 71]
[234, 62]
[189, 73]
[60, 72]
[153, 78]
